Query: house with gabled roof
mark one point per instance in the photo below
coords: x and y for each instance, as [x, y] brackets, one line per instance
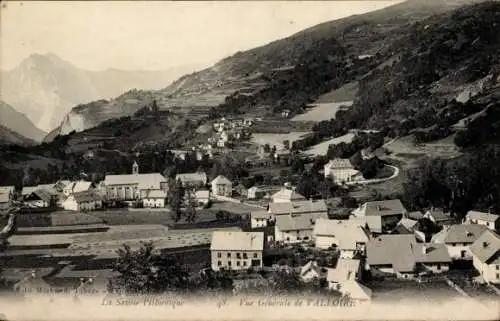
[236, 250]
[458, 239]
[295, 228]
[486, 256]
[286, 195]
[409, 226]
[39, 199]
[345, 278]
[381, 216]
[83, 201]
[76, 187]
[490, 220]
[260, 218]
[310, 271]
[439, 217]
[340, 170]
[348, 236]
[222, 186]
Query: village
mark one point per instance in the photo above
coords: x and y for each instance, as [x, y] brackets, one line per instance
[69, 232]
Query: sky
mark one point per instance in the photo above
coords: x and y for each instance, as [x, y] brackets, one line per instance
[156, 35]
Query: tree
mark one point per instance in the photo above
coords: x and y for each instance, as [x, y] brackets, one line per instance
[176, 199]
[286, 281]
[212, 113]
[286, 144]
[143, 271]
[267, 148]
[190, 211]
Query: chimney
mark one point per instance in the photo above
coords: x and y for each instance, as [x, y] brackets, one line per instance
[485, 244]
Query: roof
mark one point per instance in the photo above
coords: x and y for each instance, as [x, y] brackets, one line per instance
[346, 232]
[297, 223]
[191, 177]
[459, 233]
[339, 163]
[44, 195]
[346, 269]
[4, 197]
[356, 290]
[394, 249]
[156, 193]
[297, 207]
[237, 241]
[81, 186]
[481, 216]
[311, 265]
[439, 215]
[406, 226]
[221, 180]
[28, 190]
[32, 284]
[288, 194]
[487, 248]
[255, 188]
[434, 253]
[381, 208]
[144, 181]
[259, 215]
[86, 196]
[415, 215]
[7, 189]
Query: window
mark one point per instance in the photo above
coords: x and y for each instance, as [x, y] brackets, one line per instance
[228, 254]
[219, 263]
[245, 256]
[255, 255]
[338, 286]
[219, 254]
[453, 244]
[238, 263]
[229, 263]
[498, 275]
[438, 267]
[238, 255]
[244, 263]
[462, 254]
[498, 267]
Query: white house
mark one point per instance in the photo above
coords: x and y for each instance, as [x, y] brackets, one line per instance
[286, 195]
[348, 236]
[458, 239]
[340, 170]
[260, 218]
[221, 186]
[83, 201]
[345, 278]
[255, 192]
[310, 271]
[236, 250]
[381, 216]
[486, 256]
[490, 220]
[154, 198]
[202, 197]
[39, 199]
[295, 228]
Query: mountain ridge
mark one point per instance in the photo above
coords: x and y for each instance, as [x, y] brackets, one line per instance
[45, 87]
[19, 123]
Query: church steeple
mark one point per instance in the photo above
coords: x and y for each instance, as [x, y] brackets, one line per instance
[135, 168]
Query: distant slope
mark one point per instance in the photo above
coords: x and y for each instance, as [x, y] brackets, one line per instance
[46, 87]
[19, 123]
[9, 137]
[273, 75]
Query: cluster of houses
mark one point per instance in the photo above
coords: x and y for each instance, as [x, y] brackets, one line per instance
[379, 236]
[226, 131]
[149, 188]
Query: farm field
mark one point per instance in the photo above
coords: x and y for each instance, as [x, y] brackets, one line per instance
[321, 111]
[322, 148]
[411, 291]
[276, 139]
[344, 93]
[236, 208]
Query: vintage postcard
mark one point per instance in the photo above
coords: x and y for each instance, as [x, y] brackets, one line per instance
[250, 160]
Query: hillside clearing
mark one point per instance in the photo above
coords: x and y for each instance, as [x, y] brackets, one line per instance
[322, 148]
[276, 139]
[322, 111]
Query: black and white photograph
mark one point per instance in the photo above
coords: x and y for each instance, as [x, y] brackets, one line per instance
[250, 160]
